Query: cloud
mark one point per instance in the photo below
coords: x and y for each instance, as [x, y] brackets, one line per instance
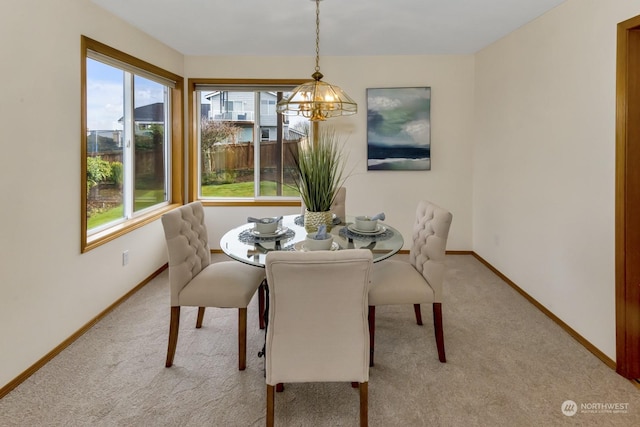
[105, 88]
[382, 103]
[104, 105]
[418, 131]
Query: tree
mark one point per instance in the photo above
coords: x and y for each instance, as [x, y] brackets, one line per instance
[302, 127]
[215, 132]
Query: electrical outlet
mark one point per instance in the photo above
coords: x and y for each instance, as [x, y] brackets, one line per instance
[125, 257]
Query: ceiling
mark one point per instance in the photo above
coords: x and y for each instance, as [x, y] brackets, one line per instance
[347, 27]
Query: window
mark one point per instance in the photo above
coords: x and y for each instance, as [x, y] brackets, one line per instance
[131, 115]
[264, 134]
[245, 150]
[267, 107]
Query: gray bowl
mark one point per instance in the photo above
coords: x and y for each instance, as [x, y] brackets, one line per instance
[312, 244]
[266, 225]
[364, 223]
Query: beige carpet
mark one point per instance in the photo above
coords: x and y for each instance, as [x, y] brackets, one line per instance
[508, 365]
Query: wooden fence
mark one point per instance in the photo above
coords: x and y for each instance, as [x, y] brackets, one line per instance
[239, 157]
[227, 157]
[147, 161]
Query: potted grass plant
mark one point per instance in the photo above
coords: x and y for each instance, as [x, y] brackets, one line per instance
[319, 168]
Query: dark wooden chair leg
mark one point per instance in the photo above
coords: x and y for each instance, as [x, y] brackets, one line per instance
[242, 338]
[200, 317]
[270, 405]
[437, 324]
[355, 384]
[279, 387]
[416, 308]
[261, 296]
[174, 324]
[372, 331]
[364, 404]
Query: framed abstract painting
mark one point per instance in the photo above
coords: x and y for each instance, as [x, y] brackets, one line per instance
[399, 128]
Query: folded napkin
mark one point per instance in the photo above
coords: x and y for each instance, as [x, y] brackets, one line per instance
[322, 233]
[379, 216]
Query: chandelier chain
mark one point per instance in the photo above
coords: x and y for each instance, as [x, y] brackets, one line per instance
[317, 100]
[317, 35]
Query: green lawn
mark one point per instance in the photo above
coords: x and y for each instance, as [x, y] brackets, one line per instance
[104, 217]
[242, 189]
[144, 199]
[245, 189]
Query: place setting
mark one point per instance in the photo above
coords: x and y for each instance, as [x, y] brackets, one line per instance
[265, 230]
[366, 227]
[319, 241]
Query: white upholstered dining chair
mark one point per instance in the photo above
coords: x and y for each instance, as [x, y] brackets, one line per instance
[418, 281]
[197, 282]
[317, 328]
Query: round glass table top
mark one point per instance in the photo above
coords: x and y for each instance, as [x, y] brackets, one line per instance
[246, 245]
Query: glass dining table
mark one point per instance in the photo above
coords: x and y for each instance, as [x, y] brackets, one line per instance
[245, 244]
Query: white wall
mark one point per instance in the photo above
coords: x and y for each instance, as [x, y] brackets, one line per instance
[543, 193]
[448, 183]
[534, 195]
[48, 288]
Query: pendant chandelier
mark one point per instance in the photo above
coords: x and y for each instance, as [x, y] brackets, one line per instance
[317, 100]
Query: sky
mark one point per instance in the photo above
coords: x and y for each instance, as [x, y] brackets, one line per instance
[105, 90]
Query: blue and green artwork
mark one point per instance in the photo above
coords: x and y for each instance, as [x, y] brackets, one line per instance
[399, 128]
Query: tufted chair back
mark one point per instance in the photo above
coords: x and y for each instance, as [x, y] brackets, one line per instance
[318, 329]
[187, 244]
[430, 233]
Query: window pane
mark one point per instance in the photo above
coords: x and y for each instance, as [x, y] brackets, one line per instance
[150, 143]
[232, 123]
[227, 144]
[278, 145]
[105, 110]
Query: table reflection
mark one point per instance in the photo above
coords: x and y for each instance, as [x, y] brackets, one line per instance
[244, 244]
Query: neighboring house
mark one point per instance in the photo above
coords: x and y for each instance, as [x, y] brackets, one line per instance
[108, 140]
[99, 141]
[147, 115]
[240, 108]
[295, 134]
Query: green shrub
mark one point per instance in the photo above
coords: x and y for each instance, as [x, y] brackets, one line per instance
[98, 170]
[116, 173]
[219, 178]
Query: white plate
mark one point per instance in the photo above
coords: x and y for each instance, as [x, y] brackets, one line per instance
[300, 246]
[279, 232]
[379, 230]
